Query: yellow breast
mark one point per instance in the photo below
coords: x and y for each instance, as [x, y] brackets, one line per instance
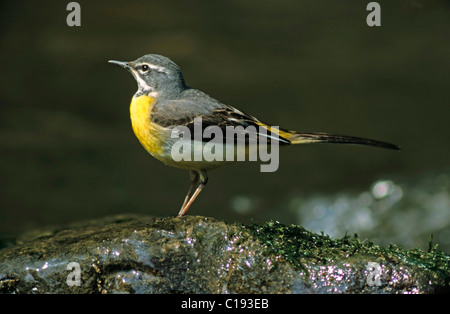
[147, 133]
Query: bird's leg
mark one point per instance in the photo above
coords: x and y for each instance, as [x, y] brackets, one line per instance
[190, 199]
[194, 180]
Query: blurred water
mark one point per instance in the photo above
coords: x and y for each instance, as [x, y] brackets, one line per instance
[401, 211]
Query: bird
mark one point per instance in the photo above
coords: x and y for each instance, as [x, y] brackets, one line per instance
[164, 103]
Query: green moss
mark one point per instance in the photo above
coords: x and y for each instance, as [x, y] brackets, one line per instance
[295, 244]
[434, 260]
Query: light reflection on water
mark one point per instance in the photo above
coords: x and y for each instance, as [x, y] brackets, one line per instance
[402, 212]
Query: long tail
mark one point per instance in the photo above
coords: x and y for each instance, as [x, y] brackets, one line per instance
[294, 137]
[317, 137]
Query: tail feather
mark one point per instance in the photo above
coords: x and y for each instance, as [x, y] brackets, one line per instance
[317, 137]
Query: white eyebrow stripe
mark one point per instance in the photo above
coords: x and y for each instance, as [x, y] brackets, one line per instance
[158, 68]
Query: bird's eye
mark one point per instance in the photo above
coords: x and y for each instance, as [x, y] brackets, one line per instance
[145, 67]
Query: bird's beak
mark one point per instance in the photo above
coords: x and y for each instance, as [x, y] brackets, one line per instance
[123, 64]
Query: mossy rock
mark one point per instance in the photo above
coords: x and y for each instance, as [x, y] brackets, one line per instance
[196, 254]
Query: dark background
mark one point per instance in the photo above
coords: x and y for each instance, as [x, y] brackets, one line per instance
[67, 151]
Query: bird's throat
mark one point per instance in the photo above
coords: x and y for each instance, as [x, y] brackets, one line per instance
[140, 114]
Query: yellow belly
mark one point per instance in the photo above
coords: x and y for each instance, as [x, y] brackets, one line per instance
[156, 139]
[147, 132]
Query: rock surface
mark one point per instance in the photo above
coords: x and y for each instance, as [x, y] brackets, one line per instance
[196, 254]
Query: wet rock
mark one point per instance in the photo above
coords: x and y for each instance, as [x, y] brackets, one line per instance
[201, 255]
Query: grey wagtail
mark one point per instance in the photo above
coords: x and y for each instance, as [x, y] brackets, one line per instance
[164, 102]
